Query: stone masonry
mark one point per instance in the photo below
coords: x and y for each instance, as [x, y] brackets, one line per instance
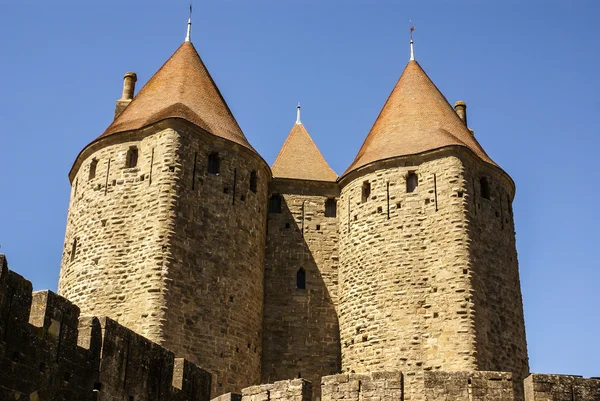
[48, 353]
[301, 337]
[151, 244]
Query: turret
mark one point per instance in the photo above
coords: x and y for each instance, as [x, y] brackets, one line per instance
[428, 267]
[165, 231]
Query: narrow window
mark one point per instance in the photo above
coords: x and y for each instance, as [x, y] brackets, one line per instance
[485, 187]
[214, 163]
[132, 157]
[74, 249]
[331, 207]
[93, 166]
[275, 204]
[412, 182]
[366, 191]
[253, 181]
[301, 279]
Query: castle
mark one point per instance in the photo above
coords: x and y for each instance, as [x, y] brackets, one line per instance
[397, 280]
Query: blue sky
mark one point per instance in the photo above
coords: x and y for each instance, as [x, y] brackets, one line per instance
[528, 71]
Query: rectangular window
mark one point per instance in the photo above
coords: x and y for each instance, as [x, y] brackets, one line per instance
[275, 204]
[366, 191]
[331, 208]
[214, 163]
[412, 182]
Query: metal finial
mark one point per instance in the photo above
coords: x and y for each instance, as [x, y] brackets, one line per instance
[188, 37]
[298, 122]
[412, 47]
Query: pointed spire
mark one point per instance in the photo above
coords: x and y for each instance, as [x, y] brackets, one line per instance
[300, 159]
[412, 47]
[181, 89]
[188, 37]
[298, 122]
[416, 118]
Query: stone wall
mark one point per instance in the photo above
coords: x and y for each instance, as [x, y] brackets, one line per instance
[405, 293]
[561, 388]
[285, 390]
[494, 271]
[215, 259]
[47, 352]
[439, 284]
[468, 386]
[118, 227]
[170, 250]
[363, 387]
[301, 332]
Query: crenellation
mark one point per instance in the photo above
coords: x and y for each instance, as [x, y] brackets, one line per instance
[284, 390]
[48, 352]
[544, 387]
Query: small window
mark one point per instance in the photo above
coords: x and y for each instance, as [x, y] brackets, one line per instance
[275, 204]
[74, 249]
[93, 166]
[412, 182]
[331, 207]
[253, 180]
[214, 163]
[366, 191]
[132, 157]
[301, 279]
[485, 188]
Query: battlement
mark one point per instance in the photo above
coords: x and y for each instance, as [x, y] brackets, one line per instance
[48, 352]
[561, 388]
[284, 390]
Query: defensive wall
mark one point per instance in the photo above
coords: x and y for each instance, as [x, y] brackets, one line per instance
[48, 353]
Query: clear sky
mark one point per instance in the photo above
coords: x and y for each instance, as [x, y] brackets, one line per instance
[528, 71]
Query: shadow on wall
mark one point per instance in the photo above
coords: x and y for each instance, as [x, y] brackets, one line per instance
[301, 331]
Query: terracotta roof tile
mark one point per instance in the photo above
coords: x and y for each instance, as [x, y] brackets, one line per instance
[300, 158]
[415, 118]
[181, 88]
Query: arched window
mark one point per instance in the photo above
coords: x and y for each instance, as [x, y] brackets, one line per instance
[214, 163]
[275, 204]
[74, 249]
[132, 157]
[366, 191]
[93, 166]
[253, 181]
[485, 187]
[301, 279]
[412, 181]
[331, 207]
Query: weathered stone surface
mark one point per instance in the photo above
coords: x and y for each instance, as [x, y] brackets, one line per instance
[415, 269]
[284, 390]
[301, 332]
[561, 388]
[170, 250]
[48, 353]
[363, 387]
[462, 386]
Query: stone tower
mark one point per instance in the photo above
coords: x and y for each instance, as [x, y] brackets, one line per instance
[301, 332]
[165, 230]
[428, 276]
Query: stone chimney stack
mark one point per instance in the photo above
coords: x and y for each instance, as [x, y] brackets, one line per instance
[461, 109]
[128, 89]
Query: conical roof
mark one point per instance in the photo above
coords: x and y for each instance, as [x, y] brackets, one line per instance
[415, 118]
[181, 88]
[299, 158]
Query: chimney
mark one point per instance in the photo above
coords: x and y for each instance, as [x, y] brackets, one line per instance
[128, 90]
[461, 109]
